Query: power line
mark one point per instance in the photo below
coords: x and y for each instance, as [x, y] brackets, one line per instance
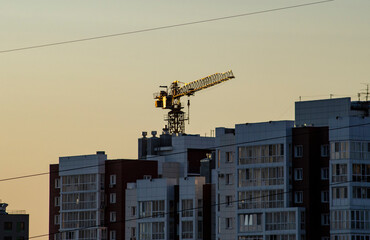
[175, 153]
[162, 27]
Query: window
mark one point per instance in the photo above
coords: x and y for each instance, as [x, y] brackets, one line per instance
[229, 179]
[339, 150]
[219, 224]
[298, 174]
[298, 151]
[324, 173]
[145, 209]
[8, 225]
[57, 183]
[261, 154]
[228, 223]
[82, 182]
[133, 232]
[337, 147]
[339, 192]
[133, 211]
[324, 150]
[361, 192]
[148, 177]
[324, 196]
[250, 222]
[21, 226]
[361, 172]
[264, 176]
[187, 229]
[112, 235]
[158, 230]
[200, 208]
[56, 219]
[112, 198]
[57, 201]
[298, 197]
[281, 221]
[200, 229]
[325, 220]
[158, 208]
[359, 219]
[261, 199]
[187, 208]
[113, 179]
[145, 231]
[113, 216]
[229, 201]
[339, 172]
[218, 158]
[229, 157]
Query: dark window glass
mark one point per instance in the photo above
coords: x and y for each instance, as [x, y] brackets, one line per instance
[20, 226]
[8, 225]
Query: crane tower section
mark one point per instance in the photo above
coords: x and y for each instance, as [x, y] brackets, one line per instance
[171, 96]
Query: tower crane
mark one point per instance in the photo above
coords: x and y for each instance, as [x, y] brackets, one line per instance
[171, 96]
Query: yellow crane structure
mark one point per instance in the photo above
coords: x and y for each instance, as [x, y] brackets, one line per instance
[170, 98]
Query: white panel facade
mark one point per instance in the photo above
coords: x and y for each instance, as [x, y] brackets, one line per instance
[226, 182]
[261, 167]
[154, 200]
[350, 178]
[191, 203]
[82, 197]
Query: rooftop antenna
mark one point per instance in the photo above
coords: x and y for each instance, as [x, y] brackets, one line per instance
[367, 91]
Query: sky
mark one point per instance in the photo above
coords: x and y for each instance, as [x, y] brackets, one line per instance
[79, 98]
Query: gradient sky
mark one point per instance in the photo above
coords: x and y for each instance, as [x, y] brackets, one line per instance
[78, 98]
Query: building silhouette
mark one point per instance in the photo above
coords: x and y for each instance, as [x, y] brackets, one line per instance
[14, 225]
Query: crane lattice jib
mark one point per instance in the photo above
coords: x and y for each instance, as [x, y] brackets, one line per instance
[209, 81]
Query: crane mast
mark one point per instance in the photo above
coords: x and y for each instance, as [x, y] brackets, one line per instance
[170, 98]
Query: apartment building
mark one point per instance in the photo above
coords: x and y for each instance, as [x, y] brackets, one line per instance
[350, 178]
[260, 181]
[348, 126]
[168, 208]
[87, 199]
[14, 225]
[178, 204]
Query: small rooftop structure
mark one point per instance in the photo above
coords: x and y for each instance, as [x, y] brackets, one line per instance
[3, 208]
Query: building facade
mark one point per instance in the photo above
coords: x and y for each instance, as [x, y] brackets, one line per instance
[226, 218]
[14, 225]
[87, 195]
[262, 208]
[348, 126]
[168, 208]
[350, 178]
[310, 180]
